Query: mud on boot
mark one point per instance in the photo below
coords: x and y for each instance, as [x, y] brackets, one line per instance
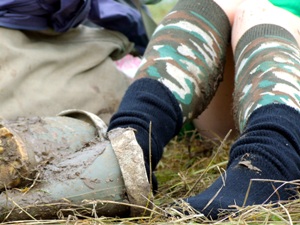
[67, 165]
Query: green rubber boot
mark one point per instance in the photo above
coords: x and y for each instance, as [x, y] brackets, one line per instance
[66, 165]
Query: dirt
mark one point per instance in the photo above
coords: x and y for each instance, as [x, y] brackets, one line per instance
[40, 206]
[68, 169]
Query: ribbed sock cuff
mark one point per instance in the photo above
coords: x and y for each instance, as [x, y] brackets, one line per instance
[211, 11]
[145, 101]
[259, 31]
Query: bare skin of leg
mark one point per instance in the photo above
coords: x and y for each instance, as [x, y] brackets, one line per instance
[229, 7]
[217, 120]
[255, 12]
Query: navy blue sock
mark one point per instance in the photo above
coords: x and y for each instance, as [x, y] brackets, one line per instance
[145, 101]
[269, 148]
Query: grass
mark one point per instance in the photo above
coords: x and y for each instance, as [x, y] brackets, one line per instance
[189, 165]
[200, 161]
[159, 10]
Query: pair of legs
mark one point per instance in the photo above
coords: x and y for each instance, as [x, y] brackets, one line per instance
[217, 119]
[179, 76]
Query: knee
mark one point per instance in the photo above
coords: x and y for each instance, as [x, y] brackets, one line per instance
[254, 12]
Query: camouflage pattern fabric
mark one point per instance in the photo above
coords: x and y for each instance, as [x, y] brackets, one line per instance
[267, 71]
[187, 54]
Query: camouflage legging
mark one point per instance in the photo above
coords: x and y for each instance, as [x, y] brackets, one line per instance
[188, 52]
[267, 71]
[187, 55]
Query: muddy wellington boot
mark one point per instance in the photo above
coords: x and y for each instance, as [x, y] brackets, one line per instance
[66, 165]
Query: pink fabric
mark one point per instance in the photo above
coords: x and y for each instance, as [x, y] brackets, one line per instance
[128, 65]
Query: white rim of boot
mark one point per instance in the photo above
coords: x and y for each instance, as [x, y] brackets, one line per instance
[130, 157]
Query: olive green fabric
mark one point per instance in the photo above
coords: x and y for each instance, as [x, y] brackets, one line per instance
[42, 74]
[291, 5]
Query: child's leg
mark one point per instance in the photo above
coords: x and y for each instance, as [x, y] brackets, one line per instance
[269, 14]
[179, 75]
[187, 53]
[265, 74]
[267, 102]
[217, 119]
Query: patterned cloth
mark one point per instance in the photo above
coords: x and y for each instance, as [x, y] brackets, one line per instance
[275, 78]
[187, 54]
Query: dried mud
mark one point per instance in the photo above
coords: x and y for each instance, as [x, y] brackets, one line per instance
[62, 172]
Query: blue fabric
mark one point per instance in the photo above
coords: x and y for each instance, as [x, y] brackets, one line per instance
[62, 15]
[145, 101]
[121, 17]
